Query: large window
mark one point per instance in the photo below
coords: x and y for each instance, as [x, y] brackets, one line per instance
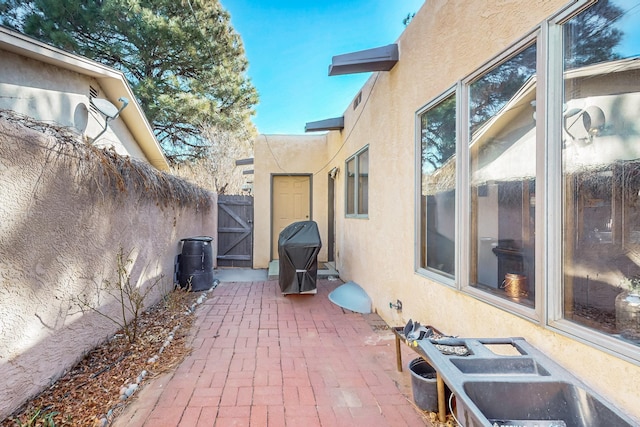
[601, 169]
[502, 153]
[437, 183]
[551, 210]
[357, 183]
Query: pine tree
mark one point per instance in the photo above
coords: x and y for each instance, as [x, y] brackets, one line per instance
[183, 59]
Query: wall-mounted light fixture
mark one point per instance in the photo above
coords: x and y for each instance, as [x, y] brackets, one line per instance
[108, 110]
[593, 120]
[333, 173]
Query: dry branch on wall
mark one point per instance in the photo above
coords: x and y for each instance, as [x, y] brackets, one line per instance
[108, 171]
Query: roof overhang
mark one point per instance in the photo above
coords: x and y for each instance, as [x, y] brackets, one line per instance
[336, 123]
[377, 59]
[112, 81]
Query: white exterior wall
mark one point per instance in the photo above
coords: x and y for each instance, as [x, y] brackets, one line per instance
[54, 95]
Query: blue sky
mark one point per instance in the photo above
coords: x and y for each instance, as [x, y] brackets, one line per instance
[289, 45]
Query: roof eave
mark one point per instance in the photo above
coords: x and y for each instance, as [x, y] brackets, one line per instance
[382, 58]
[336, 123]
[112, 81]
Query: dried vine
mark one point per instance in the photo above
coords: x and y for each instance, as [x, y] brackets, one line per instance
[106, 171]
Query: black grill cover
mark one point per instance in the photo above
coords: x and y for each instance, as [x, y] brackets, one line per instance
[298, 248]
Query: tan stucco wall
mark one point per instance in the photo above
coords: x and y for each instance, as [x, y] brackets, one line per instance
[54, 95]
[282, 155]
[59, 238]
[446, 41]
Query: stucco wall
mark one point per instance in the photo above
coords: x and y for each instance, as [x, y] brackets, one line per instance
[59, 236]
[445, 42]
[59, 96]
[282, 155]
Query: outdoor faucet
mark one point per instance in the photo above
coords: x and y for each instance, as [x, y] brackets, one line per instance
[397, 305]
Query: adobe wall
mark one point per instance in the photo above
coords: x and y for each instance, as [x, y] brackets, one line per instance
[443, 43]
[59, 235]
[281, 155]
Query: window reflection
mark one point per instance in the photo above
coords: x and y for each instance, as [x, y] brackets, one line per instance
[351, 186]
[357, 184]
[437, 201]
[601, 166]
[363, 182]
[502, 156]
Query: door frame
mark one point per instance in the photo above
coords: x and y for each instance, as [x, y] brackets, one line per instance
[331, 215]
[272, 203]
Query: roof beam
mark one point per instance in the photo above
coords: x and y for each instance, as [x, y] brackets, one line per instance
[377, 59]
[336, 123]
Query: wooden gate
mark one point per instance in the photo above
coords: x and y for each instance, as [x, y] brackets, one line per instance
[235, 231]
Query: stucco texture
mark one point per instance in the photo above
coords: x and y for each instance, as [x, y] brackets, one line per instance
[285, 155]
[444, 43]
[59, 237]
[61, 96]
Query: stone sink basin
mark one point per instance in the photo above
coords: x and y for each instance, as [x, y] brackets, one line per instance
[520, 387]
[501, 366]
[556, 403]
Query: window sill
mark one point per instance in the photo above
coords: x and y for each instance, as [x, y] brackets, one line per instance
[596, 339]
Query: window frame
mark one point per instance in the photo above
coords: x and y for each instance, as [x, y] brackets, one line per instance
[356, 185]
[554, 201]
[535, 314]
[438, 276]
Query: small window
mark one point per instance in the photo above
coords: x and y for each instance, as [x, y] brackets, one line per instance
[357, 184]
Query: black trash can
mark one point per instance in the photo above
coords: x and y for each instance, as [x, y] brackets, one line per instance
[424, 385]
[195, 263]
[298, 247]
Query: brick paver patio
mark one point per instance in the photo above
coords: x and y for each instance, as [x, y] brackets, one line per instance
[263, 359]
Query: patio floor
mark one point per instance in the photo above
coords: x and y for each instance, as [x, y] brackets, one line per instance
[262, 359]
